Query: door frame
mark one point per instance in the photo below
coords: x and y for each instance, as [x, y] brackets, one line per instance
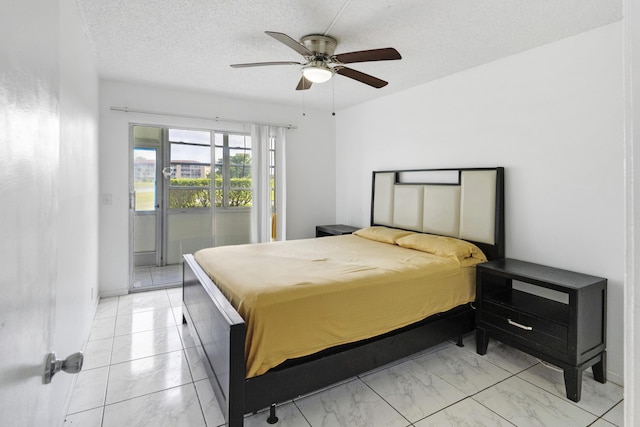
[160, 148]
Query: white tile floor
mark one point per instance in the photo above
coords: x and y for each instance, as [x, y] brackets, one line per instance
[142, 369]
[156, 277]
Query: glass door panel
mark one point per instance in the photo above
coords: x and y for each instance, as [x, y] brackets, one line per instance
[189, 192]
[233, 189]
[145, 227]
[145, 163]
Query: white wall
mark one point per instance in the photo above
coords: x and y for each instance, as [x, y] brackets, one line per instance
[77, 267]
[309, 164]
[552, 116]
[632, 157]
[49, 216]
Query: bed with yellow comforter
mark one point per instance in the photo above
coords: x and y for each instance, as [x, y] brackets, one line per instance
[300, 297]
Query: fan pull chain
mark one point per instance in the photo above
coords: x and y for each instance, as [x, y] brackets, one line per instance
[303, 109]
[333, 92]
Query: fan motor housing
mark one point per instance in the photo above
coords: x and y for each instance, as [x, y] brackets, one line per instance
[319, 44]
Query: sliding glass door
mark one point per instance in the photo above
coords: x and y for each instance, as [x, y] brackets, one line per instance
[191, 189]
[171, 209]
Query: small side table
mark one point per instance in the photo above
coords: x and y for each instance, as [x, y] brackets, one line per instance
[334, 230]
[569, 333]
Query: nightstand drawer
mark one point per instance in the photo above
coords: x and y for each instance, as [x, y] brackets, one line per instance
[527, 322]
[530, 330]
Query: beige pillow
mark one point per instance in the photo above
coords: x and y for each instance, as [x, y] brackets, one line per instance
[382, 234]
[449, 247]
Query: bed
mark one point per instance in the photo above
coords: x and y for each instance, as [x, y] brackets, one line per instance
[411, 206]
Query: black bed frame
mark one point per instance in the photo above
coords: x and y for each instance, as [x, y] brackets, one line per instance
[219, 333]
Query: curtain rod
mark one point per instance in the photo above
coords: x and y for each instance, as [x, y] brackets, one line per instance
[189, 116]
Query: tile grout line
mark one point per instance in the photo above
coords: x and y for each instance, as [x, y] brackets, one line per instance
[543, 363]
[611, 409]
[301, 413]
[385, 400]
[147, 394]
[204, 417]
[106, 390]
[564, 397]
[470, 396]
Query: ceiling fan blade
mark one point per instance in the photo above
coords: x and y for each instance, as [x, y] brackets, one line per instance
[385, 54]
[261, 64]
[361, 77]
[292, 43]
[303, 84]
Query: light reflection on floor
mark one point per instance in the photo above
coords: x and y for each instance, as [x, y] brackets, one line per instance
[157, 277]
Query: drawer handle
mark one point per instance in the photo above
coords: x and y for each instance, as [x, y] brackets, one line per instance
[519, 325]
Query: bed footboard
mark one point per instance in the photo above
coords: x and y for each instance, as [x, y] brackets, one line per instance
[219, 333]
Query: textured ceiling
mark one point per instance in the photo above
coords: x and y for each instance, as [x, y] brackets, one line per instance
[190, 43]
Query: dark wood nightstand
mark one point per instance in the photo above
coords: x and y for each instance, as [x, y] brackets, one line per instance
[568, 331]
[334, 230]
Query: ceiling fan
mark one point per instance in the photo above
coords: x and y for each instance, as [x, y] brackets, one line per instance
[321, 63]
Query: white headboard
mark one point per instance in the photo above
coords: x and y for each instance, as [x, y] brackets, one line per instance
[464, 203]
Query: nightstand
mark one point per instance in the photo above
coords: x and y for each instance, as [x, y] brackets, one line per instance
[334, 230]
[565, 327]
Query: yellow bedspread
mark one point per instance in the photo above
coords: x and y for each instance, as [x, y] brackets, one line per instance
[302, 296]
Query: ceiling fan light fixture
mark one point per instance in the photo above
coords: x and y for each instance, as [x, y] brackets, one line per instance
[318, 50]
[317, 73]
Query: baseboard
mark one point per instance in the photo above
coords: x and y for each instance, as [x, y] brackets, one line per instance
[115, 293]
[615, 378]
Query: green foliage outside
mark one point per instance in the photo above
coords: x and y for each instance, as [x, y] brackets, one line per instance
[194, 192]
[145, 195]
[240, 165]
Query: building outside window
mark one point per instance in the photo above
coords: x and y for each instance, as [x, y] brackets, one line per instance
[191, 171]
